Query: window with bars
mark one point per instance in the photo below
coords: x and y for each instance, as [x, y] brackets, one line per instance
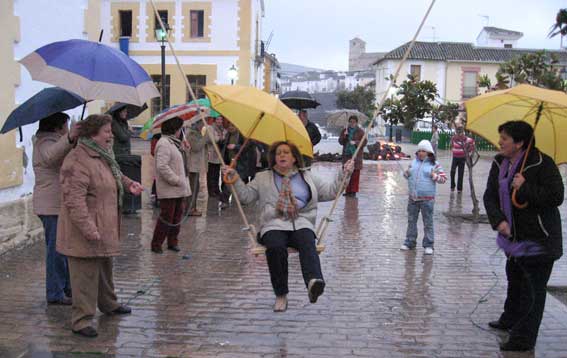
[415, 72]
[197, 23]
[125, 22]
[156, 102]
[197, 83]
[470, 85]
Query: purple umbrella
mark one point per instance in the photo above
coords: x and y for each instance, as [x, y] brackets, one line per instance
[91, 70]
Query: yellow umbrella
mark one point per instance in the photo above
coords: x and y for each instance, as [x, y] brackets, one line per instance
[544, 109]
[259, 115]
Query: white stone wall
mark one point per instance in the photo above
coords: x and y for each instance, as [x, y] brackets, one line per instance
[38, 28]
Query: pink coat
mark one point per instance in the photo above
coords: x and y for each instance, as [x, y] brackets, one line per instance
[49, 150]
[89, 204]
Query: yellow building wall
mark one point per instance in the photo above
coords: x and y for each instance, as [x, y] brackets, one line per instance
[267, 75]
[11, 166]
[178, 89]
[244, 41]
[186, 10]
[455, 77]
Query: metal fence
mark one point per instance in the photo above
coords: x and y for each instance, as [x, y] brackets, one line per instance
[445, 138]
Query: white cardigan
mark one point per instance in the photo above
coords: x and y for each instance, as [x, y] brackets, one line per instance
[263, 189]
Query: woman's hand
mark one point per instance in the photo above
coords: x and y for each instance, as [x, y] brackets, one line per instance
[518, 181]
[504, 229]
[231, 146]
[185, 144]
[136, 188]
[349, 166]
[229, 172]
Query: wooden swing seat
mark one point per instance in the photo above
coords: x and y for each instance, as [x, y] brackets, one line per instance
[260, 250]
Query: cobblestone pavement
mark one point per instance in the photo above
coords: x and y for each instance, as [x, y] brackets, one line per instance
[214, 299]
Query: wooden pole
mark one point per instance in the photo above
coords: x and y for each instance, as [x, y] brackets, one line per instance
[250, 229]
[326, 219]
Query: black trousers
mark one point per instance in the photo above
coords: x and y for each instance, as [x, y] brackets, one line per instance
[277, 242]
[525, 299]
[213, 177]
[460, 164]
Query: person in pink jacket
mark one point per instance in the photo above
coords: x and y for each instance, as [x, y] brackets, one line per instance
[52, 142]
[92, 188]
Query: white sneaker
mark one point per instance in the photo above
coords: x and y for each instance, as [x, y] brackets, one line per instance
[404, 247]
[429, 251]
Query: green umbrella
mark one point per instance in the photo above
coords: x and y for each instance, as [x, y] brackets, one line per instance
[205, 102]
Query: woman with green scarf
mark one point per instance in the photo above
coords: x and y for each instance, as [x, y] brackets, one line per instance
[350, 137]
[89, 222]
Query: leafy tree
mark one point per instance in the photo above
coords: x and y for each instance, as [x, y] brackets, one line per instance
[560, 26]
[538, 69]
[362, 99]
[445, 113]
[413, 102]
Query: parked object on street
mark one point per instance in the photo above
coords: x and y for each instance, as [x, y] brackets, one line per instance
[530, 234]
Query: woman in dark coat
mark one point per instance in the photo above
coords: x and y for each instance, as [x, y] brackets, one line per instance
[531, 236]
[349, 139]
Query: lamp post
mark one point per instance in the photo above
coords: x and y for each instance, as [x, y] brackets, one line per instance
[232, 74]
[161, 36]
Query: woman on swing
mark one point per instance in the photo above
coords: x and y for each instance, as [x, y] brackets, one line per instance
[288, 198]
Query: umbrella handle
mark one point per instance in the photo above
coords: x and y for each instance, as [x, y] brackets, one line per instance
[515, 202]
[226, 179]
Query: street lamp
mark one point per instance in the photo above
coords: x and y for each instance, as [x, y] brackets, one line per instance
[232, 74]
[161, 36]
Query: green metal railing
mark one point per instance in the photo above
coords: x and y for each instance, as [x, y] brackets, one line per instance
[445, 138]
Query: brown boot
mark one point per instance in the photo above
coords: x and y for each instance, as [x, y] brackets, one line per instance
[281, 304]
[195, 212]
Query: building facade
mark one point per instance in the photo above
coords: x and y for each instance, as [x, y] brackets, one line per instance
[209, 36]
[327, 81]
[455, 67]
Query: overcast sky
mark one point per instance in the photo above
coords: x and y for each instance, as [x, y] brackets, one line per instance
[315, 33]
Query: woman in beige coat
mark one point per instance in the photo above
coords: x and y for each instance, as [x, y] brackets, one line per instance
[89, 222]
[172, 185]
[51, 144]
[287, 198]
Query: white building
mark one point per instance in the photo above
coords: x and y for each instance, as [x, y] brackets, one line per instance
[328, 81]
[210, 36]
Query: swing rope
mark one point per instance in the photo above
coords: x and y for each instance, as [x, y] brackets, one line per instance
[324, 223]
[250, 229]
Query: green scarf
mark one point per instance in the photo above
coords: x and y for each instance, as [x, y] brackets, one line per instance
[108, 156]
[350, 148]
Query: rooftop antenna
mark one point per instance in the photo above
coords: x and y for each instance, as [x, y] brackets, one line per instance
[269, 40]
[486, 19]
[433, 37]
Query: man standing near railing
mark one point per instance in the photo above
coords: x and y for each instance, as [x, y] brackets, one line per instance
[460, 145]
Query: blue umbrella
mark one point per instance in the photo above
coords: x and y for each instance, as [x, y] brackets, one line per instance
[91, 70]
[42, 104]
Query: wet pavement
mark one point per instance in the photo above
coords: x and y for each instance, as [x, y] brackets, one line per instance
[214, 299]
